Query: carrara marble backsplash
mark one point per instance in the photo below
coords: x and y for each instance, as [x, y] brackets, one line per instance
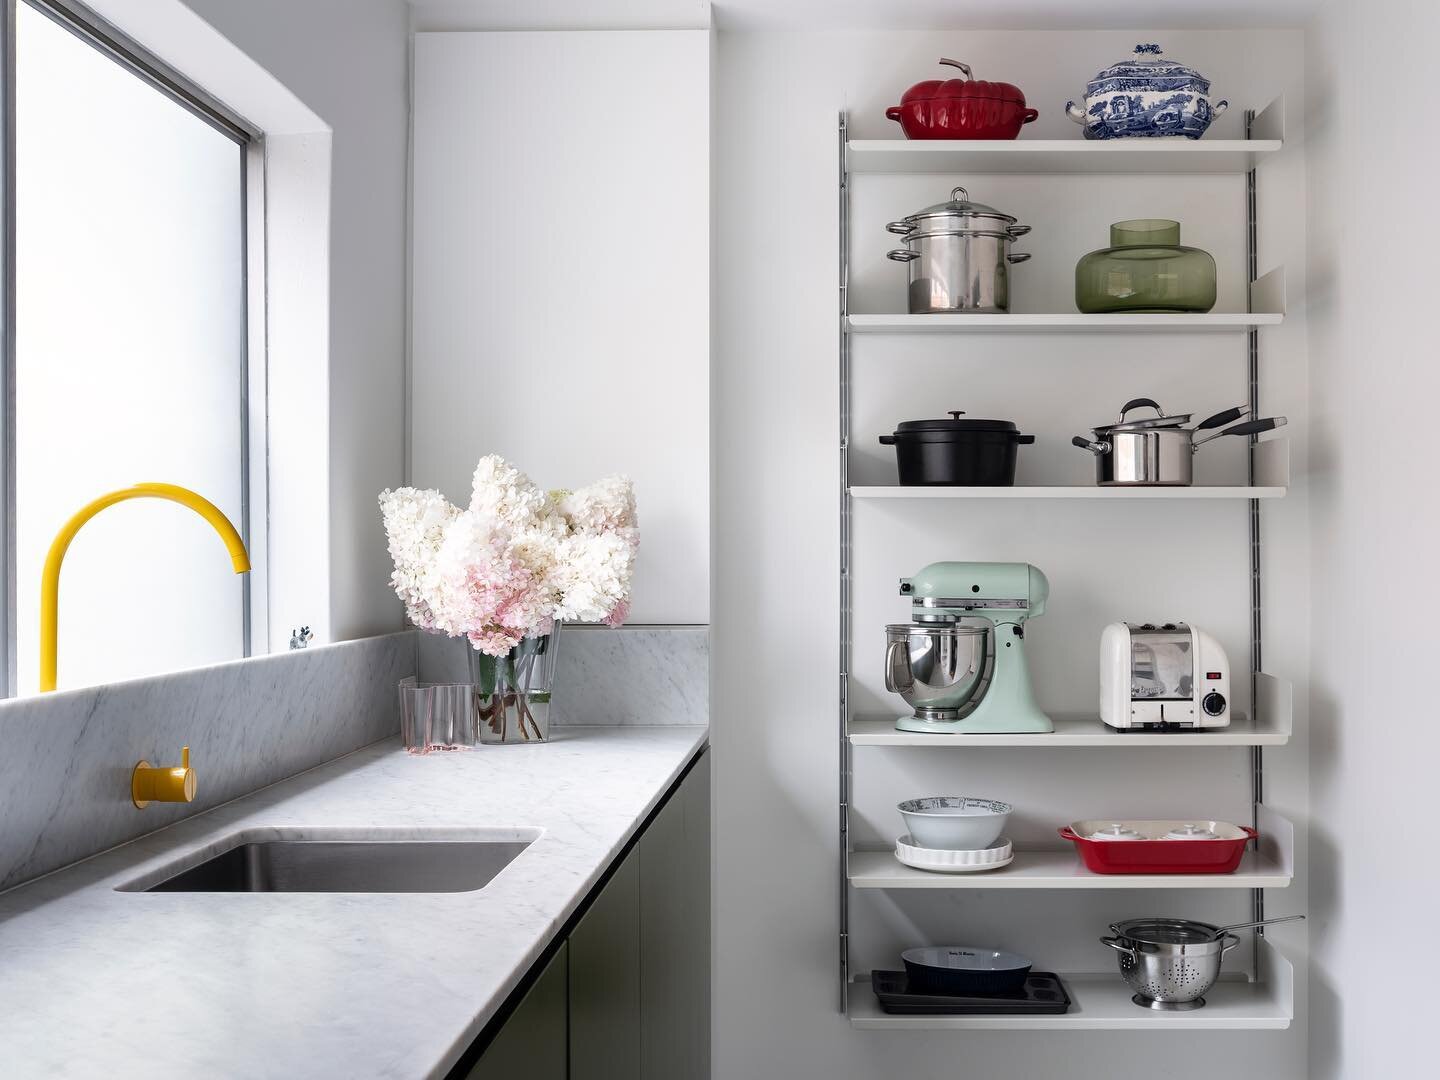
[630, 676]
[68, 756]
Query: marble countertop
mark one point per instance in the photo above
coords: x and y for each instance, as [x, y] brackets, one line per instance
[100, 982]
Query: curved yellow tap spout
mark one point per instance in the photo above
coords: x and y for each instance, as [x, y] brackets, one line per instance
[50, 581]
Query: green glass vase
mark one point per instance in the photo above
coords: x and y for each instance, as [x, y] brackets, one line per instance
[1145, 268]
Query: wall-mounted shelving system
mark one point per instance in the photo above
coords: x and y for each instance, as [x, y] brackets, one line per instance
[1265, 997]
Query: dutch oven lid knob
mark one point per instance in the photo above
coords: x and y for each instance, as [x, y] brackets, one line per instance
[955, 414]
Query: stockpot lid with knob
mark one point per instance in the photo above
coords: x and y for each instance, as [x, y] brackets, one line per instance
[958, 215]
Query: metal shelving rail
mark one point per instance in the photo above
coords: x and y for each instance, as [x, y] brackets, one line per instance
[1269, 1005]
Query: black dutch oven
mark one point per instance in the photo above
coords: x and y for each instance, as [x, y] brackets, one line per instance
[961, 453]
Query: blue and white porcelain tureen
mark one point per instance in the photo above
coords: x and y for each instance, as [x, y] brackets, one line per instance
[1146, 95]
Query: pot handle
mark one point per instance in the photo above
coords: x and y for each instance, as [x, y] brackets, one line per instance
[1024, 440]
[1017, 230]
[900, 228]
[1067, 833]
[1220, 419]
[887, 440]
[1250, 427]
[893, 666]
[1031, 114]
[893, 113]
[1138, 403]
[1096, 448]
[1114, 943]
[1231, 941]
[902, 256]
[1017, 257]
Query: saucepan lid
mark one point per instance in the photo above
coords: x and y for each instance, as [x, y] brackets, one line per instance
[1159, 420]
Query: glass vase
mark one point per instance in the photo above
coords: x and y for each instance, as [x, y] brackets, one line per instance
[1145, 268]
[512, 692]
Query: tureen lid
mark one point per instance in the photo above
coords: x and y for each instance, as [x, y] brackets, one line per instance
[1149, 62]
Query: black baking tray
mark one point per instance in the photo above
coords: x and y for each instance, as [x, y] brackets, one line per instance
[1042, 995]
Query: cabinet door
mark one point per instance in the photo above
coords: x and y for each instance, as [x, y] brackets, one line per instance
[532, 1042]
[675, 934]
[605, 981]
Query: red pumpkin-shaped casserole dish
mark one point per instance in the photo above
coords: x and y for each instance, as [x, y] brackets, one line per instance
[961, 108]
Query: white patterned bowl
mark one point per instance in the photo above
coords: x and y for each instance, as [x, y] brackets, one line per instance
[939, 861]
[954, 822]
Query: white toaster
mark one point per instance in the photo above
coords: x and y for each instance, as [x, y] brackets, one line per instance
[1167, 675]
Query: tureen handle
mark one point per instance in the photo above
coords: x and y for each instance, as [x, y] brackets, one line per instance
[1075, 112]
[1219, 107]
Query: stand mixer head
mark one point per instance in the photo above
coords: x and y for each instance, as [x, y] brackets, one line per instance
[960, 662]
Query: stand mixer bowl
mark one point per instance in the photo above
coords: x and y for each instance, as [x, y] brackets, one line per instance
[937, 667]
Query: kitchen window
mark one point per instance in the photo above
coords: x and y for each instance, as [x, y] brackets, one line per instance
[133, 353]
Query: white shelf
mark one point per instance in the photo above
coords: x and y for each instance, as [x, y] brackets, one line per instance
[1267, 308]
[1078, 155]
[1271, 867]
[1102, 1001]
[1272, 478]
[1074, 155]
[1067, 323]
[1056, 870]
[1069, 732]
[1273, 727]
[895, 491]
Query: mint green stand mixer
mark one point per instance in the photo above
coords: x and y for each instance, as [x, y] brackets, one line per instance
[960, 661]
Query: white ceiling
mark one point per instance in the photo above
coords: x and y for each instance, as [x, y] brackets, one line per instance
[860, 14]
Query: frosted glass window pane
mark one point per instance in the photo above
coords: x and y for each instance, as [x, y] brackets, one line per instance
[129, 359]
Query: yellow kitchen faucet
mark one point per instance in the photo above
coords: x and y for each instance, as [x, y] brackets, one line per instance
[50, 580]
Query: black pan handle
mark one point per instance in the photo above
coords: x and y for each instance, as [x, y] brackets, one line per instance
[1024, 440]
[1096, 448]
[887, 440]
[1250, 427]
[1220, 419]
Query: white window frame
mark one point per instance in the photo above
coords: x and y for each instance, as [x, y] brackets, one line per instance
[253, 391]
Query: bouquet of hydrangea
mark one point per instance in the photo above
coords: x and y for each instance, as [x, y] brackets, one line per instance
[515, 562]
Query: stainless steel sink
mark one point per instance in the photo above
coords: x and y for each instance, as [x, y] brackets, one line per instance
[345, 866]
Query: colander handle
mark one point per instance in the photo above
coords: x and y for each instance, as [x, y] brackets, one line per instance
[1230, 942]
[1114, 943]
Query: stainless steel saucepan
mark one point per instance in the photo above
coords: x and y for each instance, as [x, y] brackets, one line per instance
[1159, 451]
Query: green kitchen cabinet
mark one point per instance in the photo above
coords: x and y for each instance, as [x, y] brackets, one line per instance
[532, 1043]
[605, 981]
[627, 997]
[675, 934]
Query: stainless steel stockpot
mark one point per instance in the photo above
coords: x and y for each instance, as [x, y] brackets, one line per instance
[1159, 452]
[959, 257]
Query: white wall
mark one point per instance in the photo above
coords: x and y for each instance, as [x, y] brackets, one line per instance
[1374, 382]
[561, 266]
[776, 564]
[346, 59]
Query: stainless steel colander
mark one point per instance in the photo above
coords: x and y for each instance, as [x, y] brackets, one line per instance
[1169, 963]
